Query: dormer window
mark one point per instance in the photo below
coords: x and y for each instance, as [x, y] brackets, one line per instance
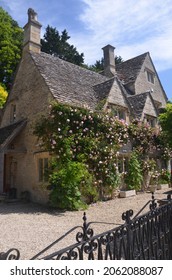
[150, 76]
[152, 121]
[13, 113]
[119, 112]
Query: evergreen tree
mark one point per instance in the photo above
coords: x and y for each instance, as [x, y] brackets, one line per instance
[55, 44]
[99, 64]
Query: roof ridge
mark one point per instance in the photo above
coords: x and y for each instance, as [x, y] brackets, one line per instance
[33, 54]
[139, 94]
[135, 57]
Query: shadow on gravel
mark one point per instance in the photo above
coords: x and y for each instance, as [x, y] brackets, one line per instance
[28, 208]
[168, 192]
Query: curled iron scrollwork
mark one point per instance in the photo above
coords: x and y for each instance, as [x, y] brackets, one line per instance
[126, 216]
[12, 254]
[86, 233]
[90, 247]
[70, 255]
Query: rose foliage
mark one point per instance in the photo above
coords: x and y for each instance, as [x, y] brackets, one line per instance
[80, 136]
[84, 146]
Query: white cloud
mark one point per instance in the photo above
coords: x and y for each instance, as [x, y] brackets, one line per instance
[132, 26]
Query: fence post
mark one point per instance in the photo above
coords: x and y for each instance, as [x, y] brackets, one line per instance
[85, 227]
[126, 216]
[153, 204]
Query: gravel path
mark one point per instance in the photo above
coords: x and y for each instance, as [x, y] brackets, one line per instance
[31, 227]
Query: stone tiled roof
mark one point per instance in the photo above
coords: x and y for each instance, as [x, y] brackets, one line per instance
[128, 70]
[8, 133]
[68, 82]
[102, 90]
[137, 103]
[78, 86]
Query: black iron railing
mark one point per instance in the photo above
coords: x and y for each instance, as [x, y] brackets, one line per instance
[145, 237]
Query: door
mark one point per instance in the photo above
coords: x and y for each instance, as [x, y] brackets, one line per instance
[1, 172]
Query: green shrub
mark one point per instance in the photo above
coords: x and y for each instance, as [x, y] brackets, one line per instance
[134, 175]
[164, 177]
[69, 184]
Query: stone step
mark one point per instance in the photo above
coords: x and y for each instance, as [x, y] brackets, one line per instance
[3, 197]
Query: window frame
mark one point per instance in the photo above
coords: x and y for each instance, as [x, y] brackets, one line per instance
[122, 164]
[119, 112]
[150, 76]
[43, 163]
[152, 121]
[13, 111]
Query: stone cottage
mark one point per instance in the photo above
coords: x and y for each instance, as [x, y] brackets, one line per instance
[130, 89]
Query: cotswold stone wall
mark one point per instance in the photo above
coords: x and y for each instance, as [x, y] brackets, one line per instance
[143, 85]
[31, 97]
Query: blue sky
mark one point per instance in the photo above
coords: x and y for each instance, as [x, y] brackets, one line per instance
[133, 27]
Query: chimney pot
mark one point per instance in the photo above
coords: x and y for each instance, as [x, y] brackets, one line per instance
[32, 15]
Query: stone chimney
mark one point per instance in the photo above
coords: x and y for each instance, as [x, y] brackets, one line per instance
[32, 31]
[109, 61]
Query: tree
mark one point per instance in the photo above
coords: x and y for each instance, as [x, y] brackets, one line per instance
[3, 96]
[165, 120]
[55, 44]
[99, 64]
[11, 37]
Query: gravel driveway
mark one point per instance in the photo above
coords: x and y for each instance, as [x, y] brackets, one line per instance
[31, 227]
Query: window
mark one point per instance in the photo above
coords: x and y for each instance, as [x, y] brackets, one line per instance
[42, 169]
[122, 164]
[13, 113]
[150, 120]
[150, 77]
[119, 112]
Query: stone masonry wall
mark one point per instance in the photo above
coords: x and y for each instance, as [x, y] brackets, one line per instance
[32, 98]
[143, 85]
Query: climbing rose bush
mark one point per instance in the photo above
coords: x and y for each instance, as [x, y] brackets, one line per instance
[79, 135]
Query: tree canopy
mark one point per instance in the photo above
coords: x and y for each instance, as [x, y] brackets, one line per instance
[99, 64]
[165, 120]
[11, 37]
[3, 96]
[54, 43]
[57, 44]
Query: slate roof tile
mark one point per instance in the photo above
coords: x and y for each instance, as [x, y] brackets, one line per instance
[102, 90]
[128, 70]
[68, 82]
[137, 103]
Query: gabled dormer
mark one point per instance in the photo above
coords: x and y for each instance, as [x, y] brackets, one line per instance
[139, 75]
[143, 108]
[114, 97]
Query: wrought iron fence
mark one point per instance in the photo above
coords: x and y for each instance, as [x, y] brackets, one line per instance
[144, 237]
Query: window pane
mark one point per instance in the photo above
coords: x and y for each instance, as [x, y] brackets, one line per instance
[122, 115]
[40, 167]
[45, 169]
[150, 77]
[13, 113]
